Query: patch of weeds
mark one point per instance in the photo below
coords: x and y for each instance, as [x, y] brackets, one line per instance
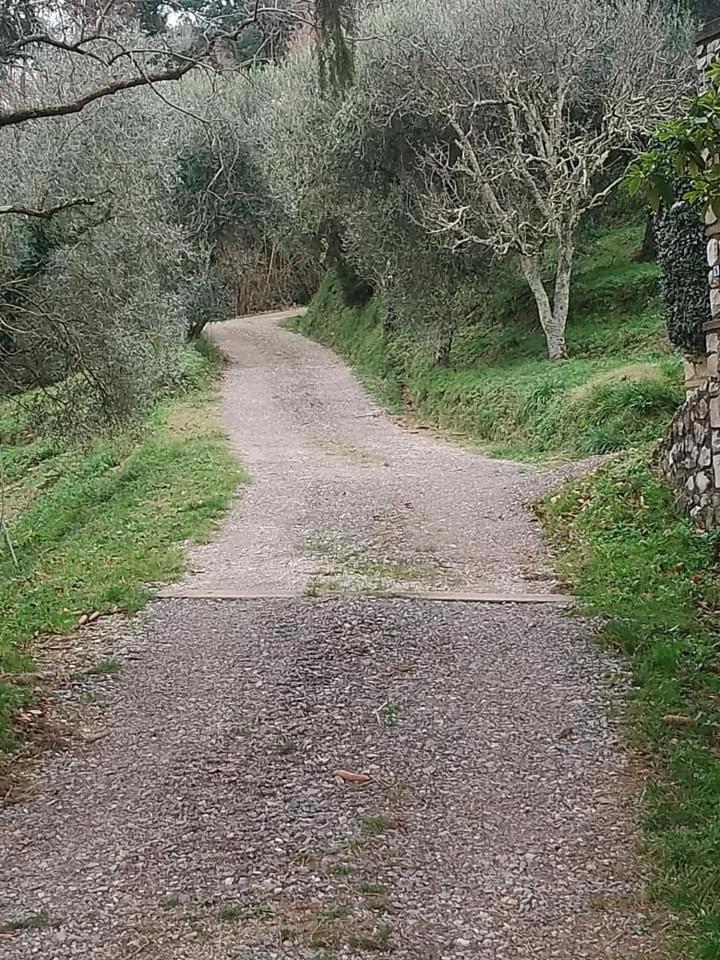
[201, 903]
[286, 748]
[91, 696]
[376, 938]
[379, 824]
[168, 903]
[320, 545]
[377, 896]
[373, 888]
[328, 914]
[289, 934]
[304, 857]
[321, 586]
[341, 869]
[107, 667]
[351, 845]
[231, 912]
[396, 792]
[30, 921]
[390, 714]
[259, 911]
[383, 575]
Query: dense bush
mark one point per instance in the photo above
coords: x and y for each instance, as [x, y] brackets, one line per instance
[680, 235]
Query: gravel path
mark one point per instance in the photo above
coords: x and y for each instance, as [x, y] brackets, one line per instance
[206, 823]
[343, 498]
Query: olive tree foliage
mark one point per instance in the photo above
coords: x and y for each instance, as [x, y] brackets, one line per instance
[95, 297]
[129, 169]
[344, 183]
[473, 131]
[538, 100]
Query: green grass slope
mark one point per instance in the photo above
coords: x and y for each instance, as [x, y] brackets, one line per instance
[643, 567]
[619, 388]
[91, 526]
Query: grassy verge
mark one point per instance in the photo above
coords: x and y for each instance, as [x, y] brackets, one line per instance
[620, 386]
[655, 578]
[91, 526]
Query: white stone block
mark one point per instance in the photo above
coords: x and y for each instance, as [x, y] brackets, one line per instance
[702, 482]
[715, 301]
[712, 365]
[715, 412]
[716, 472]
[711, 341]
[713, 252]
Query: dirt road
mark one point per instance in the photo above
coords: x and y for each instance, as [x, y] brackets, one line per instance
[207, 823]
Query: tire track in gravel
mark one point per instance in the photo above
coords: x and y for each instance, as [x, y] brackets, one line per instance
[498, 823]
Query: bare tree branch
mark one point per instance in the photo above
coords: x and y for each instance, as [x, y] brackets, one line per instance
[48, 212]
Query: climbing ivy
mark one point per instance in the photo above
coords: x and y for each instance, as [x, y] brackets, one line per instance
[680, 237]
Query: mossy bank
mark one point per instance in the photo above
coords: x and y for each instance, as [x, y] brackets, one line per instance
[619, 387]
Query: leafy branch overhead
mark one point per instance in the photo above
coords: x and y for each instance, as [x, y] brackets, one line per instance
[171, 55]
[686, 147]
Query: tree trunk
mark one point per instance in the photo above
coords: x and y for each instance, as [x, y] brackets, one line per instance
[561, 299]
[648, 251]
[552, 321]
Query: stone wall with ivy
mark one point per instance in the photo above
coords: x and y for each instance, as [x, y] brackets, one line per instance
[690, 452]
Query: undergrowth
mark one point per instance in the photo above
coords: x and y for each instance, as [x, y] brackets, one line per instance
[91, 525]
[620, 387]
[643, 567]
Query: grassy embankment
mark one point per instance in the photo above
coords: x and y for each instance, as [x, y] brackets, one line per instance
[92, 525]
[620, 386]
[620, 543]
[623, 547]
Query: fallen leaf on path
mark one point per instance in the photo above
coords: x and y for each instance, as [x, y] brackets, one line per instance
[348, 777]
[565, 733]
[93, 736]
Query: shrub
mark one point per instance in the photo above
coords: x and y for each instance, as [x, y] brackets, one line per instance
[683, 273]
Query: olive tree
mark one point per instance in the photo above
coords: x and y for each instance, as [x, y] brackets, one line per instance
[93, 293]
[538, 102]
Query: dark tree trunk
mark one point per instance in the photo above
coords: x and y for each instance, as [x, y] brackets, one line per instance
[648, 251]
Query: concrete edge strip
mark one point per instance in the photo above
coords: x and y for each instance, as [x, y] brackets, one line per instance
[194, 593]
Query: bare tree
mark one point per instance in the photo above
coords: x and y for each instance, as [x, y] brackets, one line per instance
[540, 101]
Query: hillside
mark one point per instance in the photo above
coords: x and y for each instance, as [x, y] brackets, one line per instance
[620, 386]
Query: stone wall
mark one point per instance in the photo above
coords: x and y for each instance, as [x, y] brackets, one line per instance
[690, 451]
[690, 455]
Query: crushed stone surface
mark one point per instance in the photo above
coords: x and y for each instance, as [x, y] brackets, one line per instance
[342, 498]
[205, 821]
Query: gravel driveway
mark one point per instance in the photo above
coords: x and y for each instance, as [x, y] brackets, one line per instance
[497, 821]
